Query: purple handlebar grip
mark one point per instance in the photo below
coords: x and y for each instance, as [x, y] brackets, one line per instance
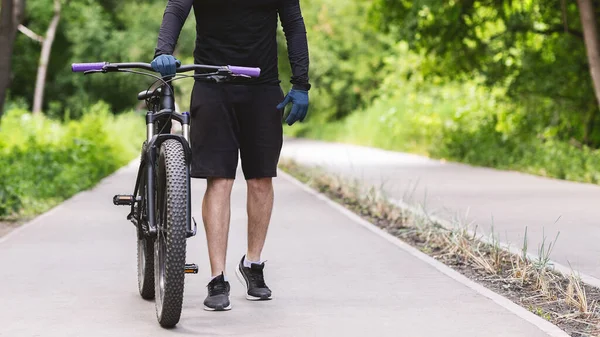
[252, 72]
[81, 67]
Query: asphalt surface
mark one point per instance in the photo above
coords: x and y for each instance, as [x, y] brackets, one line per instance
[72, 272]
[509, 201]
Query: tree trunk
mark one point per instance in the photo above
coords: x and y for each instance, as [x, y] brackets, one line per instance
[563, 8]
[11, 14]
[40, 83]
[592, 45]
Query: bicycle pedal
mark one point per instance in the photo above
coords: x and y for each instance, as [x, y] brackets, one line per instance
[191, 268]
[123, 200]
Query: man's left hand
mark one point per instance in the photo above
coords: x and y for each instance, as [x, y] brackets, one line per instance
[299, 100]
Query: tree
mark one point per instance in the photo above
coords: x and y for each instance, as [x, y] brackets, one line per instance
[88, 30]
[590, 33]
[40, 83]
[11, 14]
[46, 42]
[534, 49]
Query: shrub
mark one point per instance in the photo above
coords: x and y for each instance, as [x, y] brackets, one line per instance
[43, 162]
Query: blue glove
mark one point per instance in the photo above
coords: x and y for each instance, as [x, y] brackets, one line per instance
[166, 65]
[299, 99]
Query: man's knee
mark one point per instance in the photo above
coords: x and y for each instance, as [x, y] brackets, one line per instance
[260, 185]
[223, 185]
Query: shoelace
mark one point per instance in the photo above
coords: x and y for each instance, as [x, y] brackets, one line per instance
[217, 288]
[257, 277]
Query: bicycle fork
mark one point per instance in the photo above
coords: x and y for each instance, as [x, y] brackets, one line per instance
[146, 173]
[146, 176]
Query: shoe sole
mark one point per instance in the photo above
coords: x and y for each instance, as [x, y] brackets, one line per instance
[240, 277]
[219, 308]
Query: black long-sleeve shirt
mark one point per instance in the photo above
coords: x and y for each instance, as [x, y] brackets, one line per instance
[241, 33]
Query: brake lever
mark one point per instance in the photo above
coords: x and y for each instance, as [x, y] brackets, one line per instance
[93, 71]
[218, 78]
[227, 74]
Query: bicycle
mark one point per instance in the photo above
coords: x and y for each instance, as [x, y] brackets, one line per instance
[161, 201]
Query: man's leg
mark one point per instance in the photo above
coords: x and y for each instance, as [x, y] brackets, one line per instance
[261, 136]
[216, 213]
[215, 157]
[260, 206]
[250, 269]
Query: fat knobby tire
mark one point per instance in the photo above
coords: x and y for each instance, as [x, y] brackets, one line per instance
[172, 165]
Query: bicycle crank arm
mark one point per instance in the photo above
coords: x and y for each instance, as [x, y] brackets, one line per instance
[192, 232]
[191, 268]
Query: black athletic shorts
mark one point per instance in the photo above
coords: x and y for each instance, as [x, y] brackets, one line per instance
[231, 121]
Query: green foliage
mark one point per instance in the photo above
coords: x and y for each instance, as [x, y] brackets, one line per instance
[533, 49]
[91, 31]
[410, 111]
[490, 83]
[459, 121]
[43, 162]
[344, 57]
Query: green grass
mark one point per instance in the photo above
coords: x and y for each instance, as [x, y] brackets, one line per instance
[43, 161]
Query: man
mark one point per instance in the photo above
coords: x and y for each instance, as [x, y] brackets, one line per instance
[243, 116]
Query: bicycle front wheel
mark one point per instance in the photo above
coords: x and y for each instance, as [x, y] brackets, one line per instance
[170, 243]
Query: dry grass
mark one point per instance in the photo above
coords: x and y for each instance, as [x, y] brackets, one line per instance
[530, 282]
[575, 295]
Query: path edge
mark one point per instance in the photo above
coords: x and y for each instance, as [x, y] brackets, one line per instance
[566, 271]
[519, 311]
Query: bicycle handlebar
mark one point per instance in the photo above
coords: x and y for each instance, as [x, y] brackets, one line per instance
[106, 66]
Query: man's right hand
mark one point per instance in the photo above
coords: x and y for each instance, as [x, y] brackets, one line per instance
[166, 65]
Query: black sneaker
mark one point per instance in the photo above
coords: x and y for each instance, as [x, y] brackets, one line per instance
[253, 278]
[218, 295]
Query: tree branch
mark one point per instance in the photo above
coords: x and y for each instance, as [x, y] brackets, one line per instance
[31, 34]
[559, 29]
[552, 30]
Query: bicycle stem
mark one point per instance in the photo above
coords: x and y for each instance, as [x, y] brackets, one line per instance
[168, 102]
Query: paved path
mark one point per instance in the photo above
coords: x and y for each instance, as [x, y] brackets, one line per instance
[72, 273]
[513, 200]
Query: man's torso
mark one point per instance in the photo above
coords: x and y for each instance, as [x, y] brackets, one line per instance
[238, 32]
